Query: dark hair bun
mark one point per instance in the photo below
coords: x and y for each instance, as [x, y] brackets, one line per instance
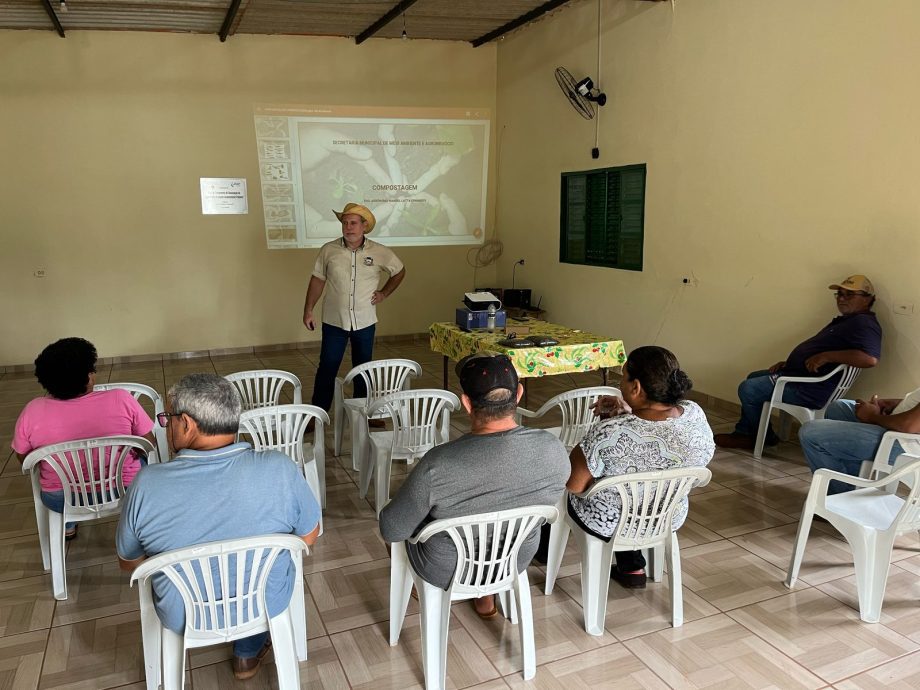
[678, 385]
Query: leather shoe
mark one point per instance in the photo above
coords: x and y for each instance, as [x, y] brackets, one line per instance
[244, 669]
[734, 440]
[628, 580]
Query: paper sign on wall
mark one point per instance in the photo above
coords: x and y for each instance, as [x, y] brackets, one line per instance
[223, 195]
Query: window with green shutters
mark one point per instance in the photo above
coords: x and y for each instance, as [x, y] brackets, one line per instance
[603, 217]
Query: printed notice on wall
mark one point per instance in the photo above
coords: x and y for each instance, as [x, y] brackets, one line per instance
[223, 195]
[421, 171]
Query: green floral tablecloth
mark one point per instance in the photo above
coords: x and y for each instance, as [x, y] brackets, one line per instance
[576, 352]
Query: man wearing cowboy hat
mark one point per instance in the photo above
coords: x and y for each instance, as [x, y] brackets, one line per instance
[854, 338]
[350, 266]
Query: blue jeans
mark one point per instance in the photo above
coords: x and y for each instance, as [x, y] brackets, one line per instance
[753, 392]
[335, 340]
[248, 647]
[841, 442]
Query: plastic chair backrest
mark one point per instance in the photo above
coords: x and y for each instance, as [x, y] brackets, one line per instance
[907, 471]
[282, 428]
[847, 379]
[648, 501]
[89, 470]
[417, 416]
[200, 573]
[137, 390]
[575, 408]
[262, 387]
[487, 546]
[384, 376]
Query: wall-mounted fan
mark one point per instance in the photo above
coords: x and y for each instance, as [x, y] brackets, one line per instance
[581, 94]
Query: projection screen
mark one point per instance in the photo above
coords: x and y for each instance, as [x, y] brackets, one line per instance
[422, 171]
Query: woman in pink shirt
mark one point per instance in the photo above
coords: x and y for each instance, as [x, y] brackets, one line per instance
[73, 411]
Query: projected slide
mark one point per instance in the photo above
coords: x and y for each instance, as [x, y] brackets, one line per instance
[421, 171]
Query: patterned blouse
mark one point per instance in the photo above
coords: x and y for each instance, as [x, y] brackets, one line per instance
[627, 444]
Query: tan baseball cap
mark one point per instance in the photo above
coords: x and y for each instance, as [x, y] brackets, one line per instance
[358, 210]
[857, 283]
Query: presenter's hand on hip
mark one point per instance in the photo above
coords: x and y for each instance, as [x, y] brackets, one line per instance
[309, 321]
[378, 297]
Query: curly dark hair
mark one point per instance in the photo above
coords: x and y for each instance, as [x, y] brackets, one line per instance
[63, 368]
[659, 372]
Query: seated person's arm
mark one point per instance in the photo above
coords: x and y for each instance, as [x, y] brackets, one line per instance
[128, 566]
[310, 539]
[871, 413]
[580, 478]
[854, 358]
[405, 514]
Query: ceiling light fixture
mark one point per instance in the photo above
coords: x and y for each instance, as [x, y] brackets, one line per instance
[405, 35]
[63, 6]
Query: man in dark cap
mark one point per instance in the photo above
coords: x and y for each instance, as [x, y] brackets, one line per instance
[497, 466]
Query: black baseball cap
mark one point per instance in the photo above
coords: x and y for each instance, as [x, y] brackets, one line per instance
[482, 373]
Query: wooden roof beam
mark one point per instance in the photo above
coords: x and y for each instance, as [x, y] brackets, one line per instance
[399, 9]
[54, 18]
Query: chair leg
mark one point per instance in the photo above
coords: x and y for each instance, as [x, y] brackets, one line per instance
[384, 463]
[872, 560]
[321, 477]
[311, 474]
[58, 561]
[525, 626]
[366, 469]
[173, 660]
[672, 549]
[359, 439]
[400, 589]
[798, 549]
[435, 620]
[507, 604]
[596, 558]
[762, 429]
[298, 609]
[558, 537]
[654, 562]
[338, 419]
[151, 632]
[42, 523]
[281, 629]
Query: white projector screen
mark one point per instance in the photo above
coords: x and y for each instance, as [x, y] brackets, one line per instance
[422, 171]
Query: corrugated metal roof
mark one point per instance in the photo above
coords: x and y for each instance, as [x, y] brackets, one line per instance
[450, 20]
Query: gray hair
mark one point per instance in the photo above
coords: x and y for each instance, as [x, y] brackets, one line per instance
[209, 399]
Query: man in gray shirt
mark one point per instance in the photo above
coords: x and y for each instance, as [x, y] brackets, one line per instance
[497, 466]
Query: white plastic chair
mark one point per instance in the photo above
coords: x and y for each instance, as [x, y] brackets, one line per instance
[282, 428]
[880, 464]
[199, 573]
[421, 420]
[487, 552]
[380, 377]
[90, 472]
[802, 414]
[870, 518]
[137, 390]
[262, 387]
[577, 415]
[648, 503]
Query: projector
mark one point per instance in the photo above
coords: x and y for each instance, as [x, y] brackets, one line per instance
[481, 301]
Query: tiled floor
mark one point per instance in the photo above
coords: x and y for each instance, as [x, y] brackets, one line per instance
[743, 628]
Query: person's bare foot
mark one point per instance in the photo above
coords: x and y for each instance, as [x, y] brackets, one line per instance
[485, 607]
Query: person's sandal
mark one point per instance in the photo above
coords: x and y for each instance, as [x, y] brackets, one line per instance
[628, 580]
[488, 615]
[244, 669]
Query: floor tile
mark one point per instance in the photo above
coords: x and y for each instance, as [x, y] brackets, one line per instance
[99, 653]
[26, 605]
[370, 662]
[786, 494]
[728, 576]
[900, 674]
[822, 634]
[96, 591]
[730, 514]
[610, 667]
[21, 659]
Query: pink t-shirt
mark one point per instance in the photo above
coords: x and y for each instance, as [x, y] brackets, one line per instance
[103, 413]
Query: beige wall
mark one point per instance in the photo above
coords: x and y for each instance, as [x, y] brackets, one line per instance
[783, 154]
[103, 137]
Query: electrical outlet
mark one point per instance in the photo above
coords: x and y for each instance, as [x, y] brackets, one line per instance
[40, 273]
[905, 308]
[690, 281]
